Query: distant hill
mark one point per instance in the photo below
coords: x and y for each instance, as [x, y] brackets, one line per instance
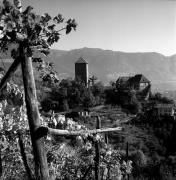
[108, 65]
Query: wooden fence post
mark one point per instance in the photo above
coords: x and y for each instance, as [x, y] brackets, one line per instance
[97, 153]
[41, 166]
[0, 164]
[106, 138]
[127, 156]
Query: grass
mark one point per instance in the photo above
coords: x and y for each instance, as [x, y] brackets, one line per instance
[137, 137]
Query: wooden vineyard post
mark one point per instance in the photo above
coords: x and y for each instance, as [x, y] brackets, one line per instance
[97, 153]
[127, 156]
[24, 158]
[41, 166]
[106, 138]
[9, 73]
[0, 164]
[127, 151]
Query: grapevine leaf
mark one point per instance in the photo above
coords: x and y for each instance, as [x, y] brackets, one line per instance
[28, 10]
[51, 27]
[44, 44]
[58, 18]
[68, 29]
[39, 60]
[17, 4]
[61, 19]
[45, 52]
[38, 29]
[68, 21]
[47, 17]
[6, 3]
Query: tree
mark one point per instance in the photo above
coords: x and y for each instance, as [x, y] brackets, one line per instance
[97, 89]
[87, 99]
[98, 92]
[29, 32]
[139, 162]
[92, 79]
[158, 98]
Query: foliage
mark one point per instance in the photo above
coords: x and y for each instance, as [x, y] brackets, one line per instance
[25, 29]
[132, 103]
[69, 94]
[78, 155]
[68, 157]
[48, 75]
[98, 91]
[35, 33]
[158, 98]
[139, 162]
[158, 147]
[111, 96]
[13, 119]
[126, 99]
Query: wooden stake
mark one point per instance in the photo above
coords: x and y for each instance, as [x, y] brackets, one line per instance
[106, 139]
[9, 73]
[40, 159]
[97, 153]
[24, 158]
[127, 156]
[0, 164]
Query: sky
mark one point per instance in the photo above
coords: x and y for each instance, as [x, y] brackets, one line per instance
[119, 25]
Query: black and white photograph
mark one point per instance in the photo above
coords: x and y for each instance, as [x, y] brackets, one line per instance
[87, 89]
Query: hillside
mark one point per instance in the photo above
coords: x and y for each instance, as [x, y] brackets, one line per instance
[108, 65]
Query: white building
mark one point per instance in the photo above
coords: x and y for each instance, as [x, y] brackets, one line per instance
[164, 110]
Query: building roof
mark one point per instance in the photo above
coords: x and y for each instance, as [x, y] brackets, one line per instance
[123, 79]
[164, 106]
[139, 78]
[131, 80]
[81, 61]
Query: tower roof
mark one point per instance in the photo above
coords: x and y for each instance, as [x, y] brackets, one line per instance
[81, 61]
[139, 78]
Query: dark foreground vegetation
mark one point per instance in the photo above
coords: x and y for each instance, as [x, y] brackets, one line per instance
[150, 139]
[146, 140]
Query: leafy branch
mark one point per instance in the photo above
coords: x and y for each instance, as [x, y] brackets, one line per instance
[31, 29]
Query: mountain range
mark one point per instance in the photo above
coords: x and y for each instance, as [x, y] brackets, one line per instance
[108, 65]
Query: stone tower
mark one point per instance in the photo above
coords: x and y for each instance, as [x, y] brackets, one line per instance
[81, 70]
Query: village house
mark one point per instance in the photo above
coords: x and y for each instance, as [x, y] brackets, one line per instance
[138, 82]
[164, 110]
